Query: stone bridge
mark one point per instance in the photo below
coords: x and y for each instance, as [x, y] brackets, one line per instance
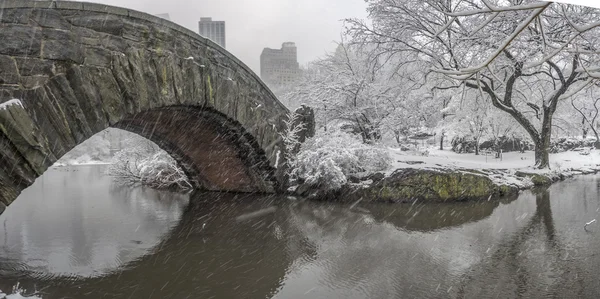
[71, 69]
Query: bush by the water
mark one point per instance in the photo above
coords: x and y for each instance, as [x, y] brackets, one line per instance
[467, 144]
[157, 170]
[325, 161]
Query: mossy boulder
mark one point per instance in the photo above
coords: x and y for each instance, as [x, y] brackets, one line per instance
[406, 185]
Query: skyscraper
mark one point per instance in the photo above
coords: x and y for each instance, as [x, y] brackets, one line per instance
[213, 30]
[279, 67]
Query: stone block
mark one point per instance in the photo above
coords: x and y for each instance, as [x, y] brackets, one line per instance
[33, 66]
[106, 23]
[8, 70]
[57, 34]
[20, 40]
[113, 10]
[15, 16]
[63, 50]
[31, 82]
[69, 5]
[49, 18]
[98, 57]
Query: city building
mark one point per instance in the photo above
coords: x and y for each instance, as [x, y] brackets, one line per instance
[213, 30]
[279, 67]
[164, 16]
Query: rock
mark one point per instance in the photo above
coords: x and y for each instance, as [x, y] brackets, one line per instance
[8, 70]
[63, 50]
[412, 162]
[376, 177]
[29, 66]
[2, 208]
[12, 37]
[407, 185]
[106, 23]
[15, 16]
[536, 179]
[353, 179]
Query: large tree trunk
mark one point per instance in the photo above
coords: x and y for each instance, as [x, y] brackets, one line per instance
[597, 143]
[397, 136]
[542, 158]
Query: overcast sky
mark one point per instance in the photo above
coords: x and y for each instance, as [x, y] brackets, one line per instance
[252, 25]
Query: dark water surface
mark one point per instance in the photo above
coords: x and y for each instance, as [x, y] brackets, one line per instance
[74, 234]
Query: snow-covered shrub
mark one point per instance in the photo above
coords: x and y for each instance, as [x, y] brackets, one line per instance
[159, 170]
[291, 135]
[326, 160]
[564, 144]
[467, 144]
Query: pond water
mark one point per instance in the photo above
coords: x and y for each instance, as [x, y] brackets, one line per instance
[75, 234]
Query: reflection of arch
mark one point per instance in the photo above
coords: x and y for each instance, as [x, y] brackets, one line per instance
[197, 256]
[71, 69]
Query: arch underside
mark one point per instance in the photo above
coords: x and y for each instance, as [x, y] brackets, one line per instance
[214, 152]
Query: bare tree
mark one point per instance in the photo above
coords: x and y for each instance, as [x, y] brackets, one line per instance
[526, 56]
[158, 170]
[589, 116]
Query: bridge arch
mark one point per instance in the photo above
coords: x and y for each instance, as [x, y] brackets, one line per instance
[70, 69]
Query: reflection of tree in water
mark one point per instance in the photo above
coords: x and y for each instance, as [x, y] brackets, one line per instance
[361, 252]
[516, 255]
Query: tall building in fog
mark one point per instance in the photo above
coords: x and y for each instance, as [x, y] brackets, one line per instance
[213, 30]
[279, 67]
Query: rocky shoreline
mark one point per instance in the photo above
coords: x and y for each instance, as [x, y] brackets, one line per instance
[436, 185]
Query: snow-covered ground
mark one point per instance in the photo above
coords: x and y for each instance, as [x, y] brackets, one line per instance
[77, 162]
[512, 160]
[17, 293]
[501, 170]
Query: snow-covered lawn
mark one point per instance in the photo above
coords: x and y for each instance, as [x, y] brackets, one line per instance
[501, 171]
[512, 160]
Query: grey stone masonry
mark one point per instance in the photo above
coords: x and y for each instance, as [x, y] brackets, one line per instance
[71, 69]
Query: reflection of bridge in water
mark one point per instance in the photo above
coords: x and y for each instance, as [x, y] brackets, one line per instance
[216, 253]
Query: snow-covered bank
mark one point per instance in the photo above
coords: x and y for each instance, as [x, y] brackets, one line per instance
[80, 163]
[509, 170]
[444, 176]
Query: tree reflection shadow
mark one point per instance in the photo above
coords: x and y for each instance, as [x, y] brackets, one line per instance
[517, 256]
[427, 217]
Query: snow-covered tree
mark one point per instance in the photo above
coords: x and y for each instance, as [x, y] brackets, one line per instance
[410, 113]
[352, 88]
[157, 169]
[96, 149]
[588, 108]
[325, 161]
[525, 56]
